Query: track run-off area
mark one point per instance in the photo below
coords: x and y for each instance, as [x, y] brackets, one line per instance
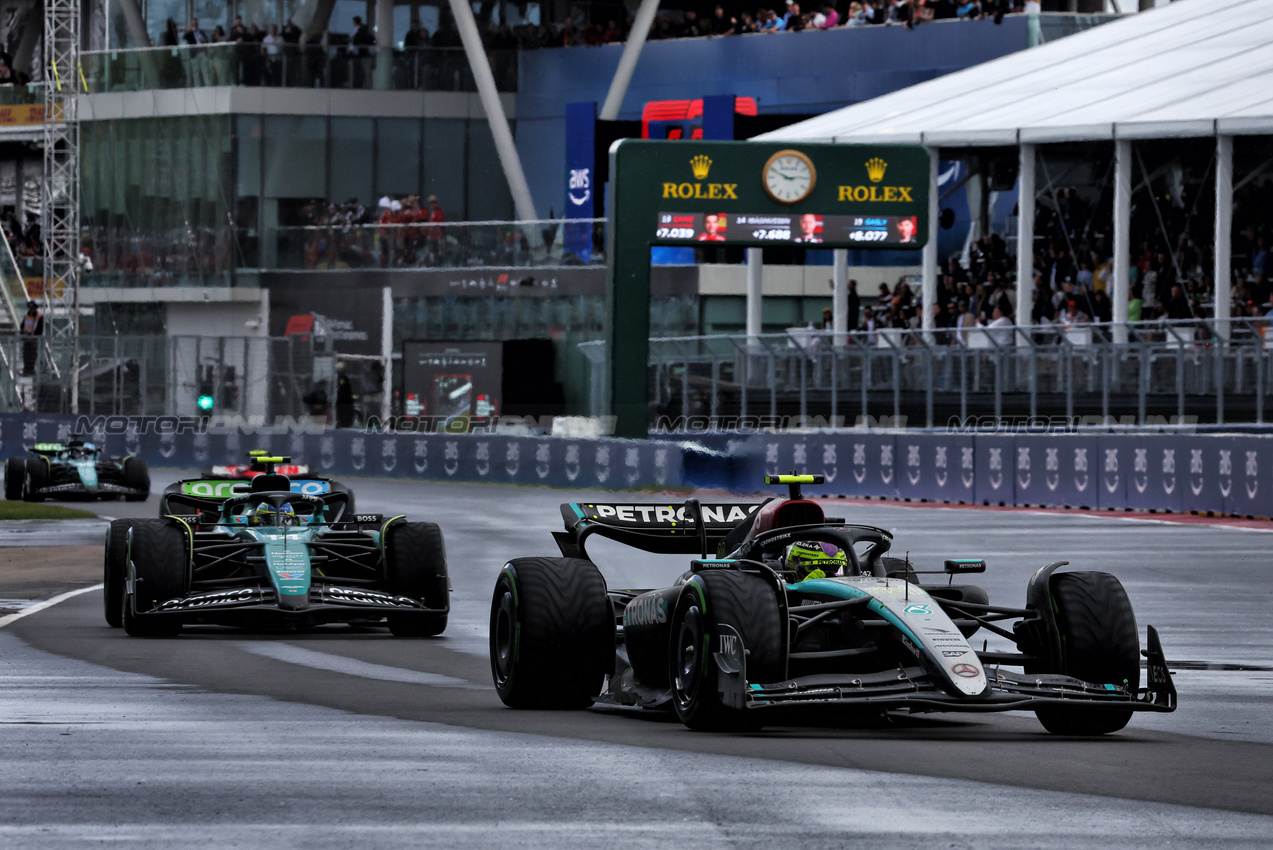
[339, 735]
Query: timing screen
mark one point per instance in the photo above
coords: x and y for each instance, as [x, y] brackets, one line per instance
[743, 228]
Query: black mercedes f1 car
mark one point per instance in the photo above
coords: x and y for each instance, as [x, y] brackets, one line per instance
[745, 638]
[74, 470]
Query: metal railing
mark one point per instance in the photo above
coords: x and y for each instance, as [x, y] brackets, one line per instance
[329, 65]
[1184, 371]
[424, 245]
[128, 374]
[205, 256]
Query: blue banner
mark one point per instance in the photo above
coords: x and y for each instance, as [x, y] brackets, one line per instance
[581, 169]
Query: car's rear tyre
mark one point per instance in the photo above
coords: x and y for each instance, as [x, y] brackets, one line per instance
[552, 633]
[37, 476]
[14, 473]
[708, 602]
[1099, 644]
[114, 571]
[136, 477]
[415, 566]
[157, 554]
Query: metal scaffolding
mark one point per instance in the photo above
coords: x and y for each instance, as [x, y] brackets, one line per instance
[60, 210]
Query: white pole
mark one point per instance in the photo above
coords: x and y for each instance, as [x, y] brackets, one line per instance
[929, 281]
[386, 351]
[504, 146]
[384, 45]
[1122, 235]
[1224, 232]
[755, 268]
[1025, 239]
[840, 297]
[628, 61]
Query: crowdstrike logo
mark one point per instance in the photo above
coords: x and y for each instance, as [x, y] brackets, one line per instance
[512, 458]
[1111, 465]
[632, 465]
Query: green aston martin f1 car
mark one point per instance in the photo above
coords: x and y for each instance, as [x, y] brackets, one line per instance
[74, 470]
[274, 558]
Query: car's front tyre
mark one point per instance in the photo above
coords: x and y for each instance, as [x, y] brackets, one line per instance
[157, 553]
[114, 571]
[415, 567]
[709, 603]
[1099, 644]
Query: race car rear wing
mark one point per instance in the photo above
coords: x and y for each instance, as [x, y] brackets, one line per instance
[661, 528]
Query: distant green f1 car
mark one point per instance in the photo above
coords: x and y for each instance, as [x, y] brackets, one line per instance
[74, 470]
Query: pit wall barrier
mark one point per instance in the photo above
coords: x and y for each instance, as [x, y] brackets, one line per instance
[1206, 473]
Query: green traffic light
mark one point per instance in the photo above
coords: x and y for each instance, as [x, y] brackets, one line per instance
[205, 402]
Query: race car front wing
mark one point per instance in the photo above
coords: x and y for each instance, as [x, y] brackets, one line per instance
[913, 688]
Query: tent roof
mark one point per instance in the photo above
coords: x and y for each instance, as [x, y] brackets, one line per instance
[1193, 68]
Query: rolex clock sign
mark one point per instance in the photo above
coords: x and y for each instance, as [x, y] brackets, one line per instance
[704, 193]
[752, 193]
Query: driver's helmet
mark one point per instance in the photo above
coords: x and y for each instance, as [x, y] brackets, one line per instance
[268, 515]
[810, 559]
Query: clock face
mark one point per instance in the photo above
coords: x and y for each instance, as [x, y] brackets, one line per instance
[789, 177]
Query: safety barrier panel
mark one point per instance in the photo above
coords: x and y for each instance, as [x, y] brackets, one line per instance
[1171, 471]
[1207, 473]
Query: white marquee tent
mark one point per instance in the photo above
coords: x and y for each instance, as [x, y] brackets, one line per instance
[1195, 68]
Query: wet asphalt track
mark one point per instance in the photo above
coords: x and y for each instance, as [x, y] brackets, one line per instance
[243, 740]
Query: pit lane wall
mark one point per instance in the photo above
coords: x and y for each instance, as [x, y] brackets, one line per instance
[1209, 473]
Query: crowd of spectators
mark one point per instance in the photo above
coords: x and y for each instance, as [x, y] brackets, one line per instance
[401, 232]
[1169, 277]
[262, 51]
[24, 237]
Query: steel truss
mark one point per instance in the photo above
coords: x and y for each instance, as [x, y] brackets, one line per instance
[60, 210]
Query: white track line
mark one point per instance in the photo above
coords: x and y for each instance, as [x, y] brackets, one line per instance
[48, 603]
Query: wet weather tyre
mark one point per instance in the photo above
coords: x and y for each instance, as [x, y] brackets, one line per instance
[1099, 644]
[114, 568]
[157, 553]
[709, 602]
[37, 476]
[415, 567]
[552, 633]
[14, 473]
[136, 477]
